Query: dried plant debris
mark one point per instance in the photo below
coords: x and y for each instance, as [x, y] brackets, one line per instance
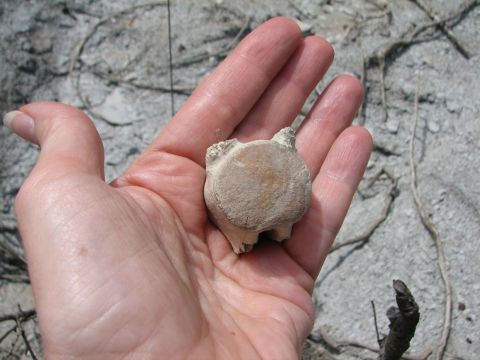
[10, 343]
[403, 322]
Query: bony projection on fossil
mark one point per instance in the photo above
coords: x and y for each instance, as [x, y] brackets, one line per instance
[256, 187]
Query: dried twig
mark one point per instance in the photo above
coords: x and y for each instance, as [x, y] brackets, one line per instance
[362, 118]
[12, 252]
[375, 321]
[403, 322]
[445, 28]
[386, 52]
[430, 227]
[23, 315]
[335, 346]
[8, 229]
[20, 317]
[179, 89]
[24, 336]
[14, 343]
[408, 37]
[385, 211]
[7, 333]
[384, 150]
[13, 266]
[383, 90]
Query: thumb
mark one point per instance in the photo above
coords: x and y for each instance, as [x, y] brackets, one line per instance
[67, 137]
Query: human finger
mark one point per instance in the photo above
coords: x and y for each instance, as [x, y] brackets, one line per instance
[332, 113]
[220, 102]
[332, 192]
[67, 138]
[287, 93]
[71, 152]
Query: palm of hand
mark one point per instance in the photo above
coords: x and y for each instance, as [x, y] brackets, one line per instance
[162, 282]
[135, 267]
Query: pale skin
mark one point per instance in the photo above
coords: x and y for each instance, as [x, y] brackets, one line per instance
[134, 269]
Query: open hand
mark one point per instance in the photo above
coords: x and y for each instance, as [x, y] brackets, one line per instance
[134, 268]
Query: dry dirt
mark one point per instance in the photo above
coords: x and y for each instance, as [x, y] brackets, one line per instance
[121, 75]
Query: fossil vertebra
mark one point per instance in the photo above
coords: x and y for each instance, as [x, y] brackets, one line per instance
[255, 187]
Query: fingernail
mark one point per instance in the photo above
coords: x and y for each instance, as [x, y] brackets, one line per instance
[21, 124]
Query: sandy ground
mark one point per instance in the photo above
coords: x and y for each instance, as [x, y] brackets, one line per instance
[121, 75]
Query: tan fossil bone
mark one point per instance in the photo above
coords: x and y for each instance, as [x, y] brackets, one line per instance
[256, 187]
